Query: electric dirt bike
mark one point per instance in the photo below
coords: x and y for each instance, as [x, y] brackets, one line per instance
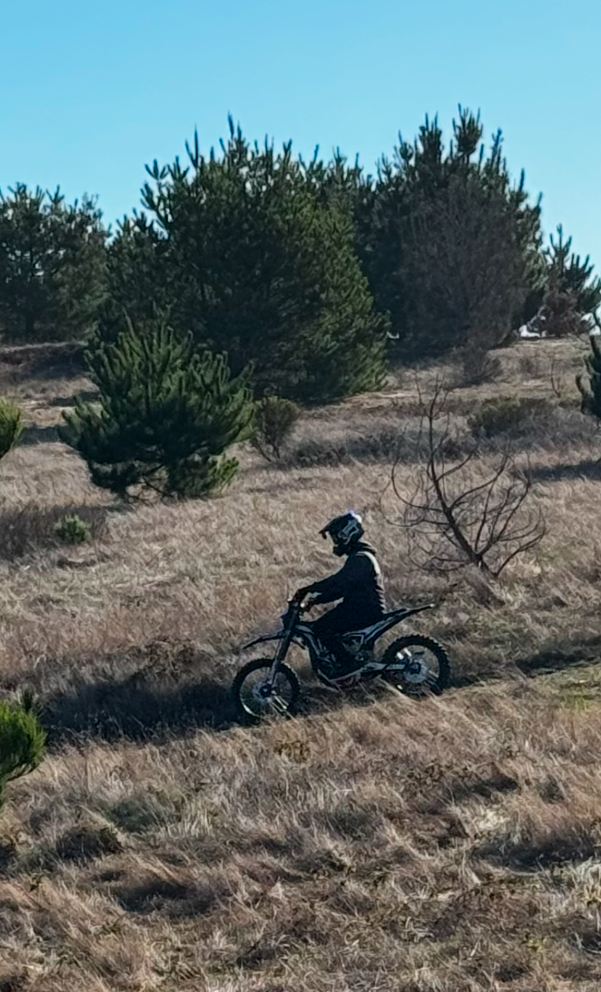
[416, 665]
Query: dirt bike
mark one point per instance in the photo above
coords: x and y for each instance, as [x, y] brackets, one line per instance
[268, 686]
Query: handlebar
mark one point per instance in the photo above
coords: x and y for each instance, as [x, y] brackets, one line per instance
[303, 605]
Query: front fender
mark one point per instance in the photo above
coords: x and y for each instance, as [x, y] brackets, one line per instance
[263, 640]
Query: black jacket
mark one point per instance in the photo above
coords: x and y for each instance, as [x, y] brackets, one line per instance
[359, 583]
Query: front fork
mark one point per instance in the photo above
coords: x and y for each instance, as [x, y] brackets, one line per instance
[279, 657]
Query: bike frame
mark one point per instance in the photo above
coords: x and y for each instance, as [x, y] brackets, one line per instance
[295, 632]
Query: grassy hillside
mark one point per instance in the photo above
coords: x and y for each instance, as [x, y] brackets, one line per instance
[374, 843]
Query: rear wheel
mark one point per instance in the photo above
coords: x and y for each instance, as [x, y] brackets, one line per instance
[256, 698]
[419, 666]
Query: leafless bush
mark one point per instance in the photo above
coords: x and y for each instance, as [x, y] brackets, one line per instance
[476, 366]
[459, 515]
[557, 380]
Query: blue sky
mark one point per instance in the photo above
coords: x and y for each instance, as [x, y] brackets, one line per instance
[92, 91]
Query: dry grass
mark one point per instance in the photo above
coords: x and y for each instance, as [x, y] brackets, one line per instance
[434, 847]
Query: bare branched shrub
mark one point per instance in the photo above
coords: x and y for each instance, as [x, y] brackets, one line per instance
[458, 516]
[275, 419]
[557, 380]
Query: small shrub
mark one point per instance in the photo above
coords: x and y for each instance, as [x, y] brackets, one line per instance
[11, 426]
[275, 419]
[591, 390]
[508, 415]
[559, 317]
[477, 366]
[22, 741]
[71, 529]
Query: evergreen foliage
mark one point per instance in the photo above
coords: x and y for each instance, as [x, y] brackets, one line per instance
[450, 244]
[570, 276]
[22, 741]
[52, 266]
[304, 273]
[71, 529]
[165, 417]
[258, 265]
[11, 426]
[591, 390]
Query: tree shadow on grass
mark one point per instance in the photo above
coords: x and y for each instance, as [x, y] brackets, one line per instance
[86, 395]
[588, 468]
[38, 434]
[561, 655]
[44, 361]
[137, 707]
[31, 528]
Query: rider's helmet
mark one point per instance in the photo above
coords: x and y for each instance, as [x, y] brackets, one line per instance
[345, 531]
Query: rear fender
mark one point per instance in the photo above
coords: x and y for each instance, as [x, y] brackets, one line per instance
[392, 619]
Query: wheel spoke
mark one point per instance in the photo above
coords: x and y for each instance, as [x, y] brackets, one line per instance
[418, 666]
[259, 696]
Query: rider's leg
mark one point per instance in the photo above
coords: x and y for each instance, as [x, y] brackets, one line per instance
[329, 628]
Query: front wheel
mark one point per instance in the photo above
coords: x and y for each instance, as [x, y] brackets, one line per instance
[256, 698]
[418, 665]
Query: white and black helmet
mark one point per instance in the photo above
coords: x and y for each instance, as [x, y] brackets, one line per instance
[345, 531]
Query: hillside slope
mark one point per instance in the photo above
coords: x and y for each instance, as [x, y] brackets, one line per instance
[374, 843]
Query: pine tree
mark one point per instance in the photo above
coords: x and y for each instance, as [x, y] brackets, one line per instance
[165, 417]
[572, 279]
[591, 390]
[451, 246]
[52, 265]
[138, 274]
[257, 263]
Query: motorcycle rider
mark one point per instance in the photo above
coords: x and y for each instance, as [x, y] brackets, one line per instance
[358, 584]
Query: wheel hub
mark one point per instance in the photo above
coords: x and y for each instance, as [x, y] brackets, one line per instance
[416, 670]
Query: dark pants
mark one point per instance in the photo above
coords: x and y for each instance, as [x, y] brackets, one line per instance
[331, 626]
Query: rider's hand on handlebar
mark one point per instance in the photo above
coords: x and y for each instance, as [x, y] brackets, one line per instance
[303, 598]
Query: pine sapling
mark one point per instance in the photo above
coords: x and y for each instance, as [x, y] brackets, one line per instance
[22, 740]
[165, 418]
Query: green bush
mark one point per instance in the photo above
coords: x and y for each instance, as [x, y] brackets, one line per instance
[275, 419]
[165, 418]
[22, 740]
[508, 415]
[71, 529]
[11, 426]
